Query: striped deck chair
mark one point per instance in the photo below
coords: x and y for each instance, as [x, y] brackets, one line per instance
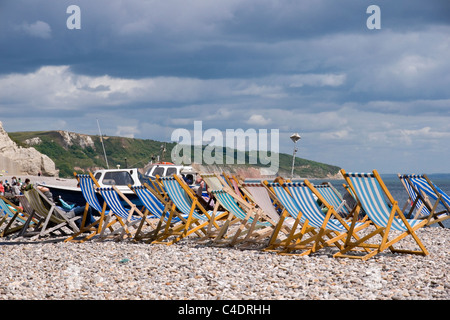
[186, 206]
[301, 242]
[14, 217]
[157, 206]
[333, 198]
[384, 212]
[420, 190]
[55, 219]
[254, 224]
[128, 217]
[87, 186]
[263, 197]
[299, 197]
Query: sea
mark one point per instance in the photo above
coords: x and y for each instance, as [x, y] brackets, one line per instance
[397, 189]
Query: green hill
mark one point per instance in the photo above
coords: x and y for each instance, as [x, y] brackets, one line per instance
[85, 152]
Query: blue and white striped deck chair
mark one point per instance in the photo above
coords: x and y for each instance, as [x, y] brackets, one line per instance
[328, 224]
[186, 206]
[127, 217]
[421, 189]
[373, 196]
[87, 185]
[295, 240]
[155, 206]
[254, 223]
[334, 199]
[415, 198]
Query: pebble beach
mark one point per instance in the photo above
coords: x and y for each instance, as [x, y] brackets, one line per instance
[50, 269]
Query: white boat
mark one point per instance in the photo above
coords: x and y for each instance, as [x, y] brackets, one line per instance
[121, 178]
[166, 169]
[106, 178]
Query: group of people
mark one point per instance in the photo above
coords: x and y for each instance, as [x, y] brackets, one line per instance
[14, 188]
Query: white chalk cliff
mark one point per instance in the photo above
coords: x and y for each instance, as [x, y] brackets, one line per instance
[26, 161]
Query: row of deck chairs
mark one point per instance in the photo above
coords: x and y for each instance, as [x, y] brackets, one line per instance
[280, 216]
[36, 216]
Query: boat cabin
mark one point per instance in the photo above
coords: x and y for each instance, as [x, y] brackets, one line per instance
[167, 169]
[117, 177]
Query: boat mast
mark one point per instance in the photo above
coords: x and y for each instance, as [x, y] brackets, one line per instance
[101, 140]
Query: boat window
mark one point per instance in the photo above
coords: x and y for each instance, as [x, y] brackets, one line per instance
[171, 171]
[121, 178]
[97, 176]
[158, 171]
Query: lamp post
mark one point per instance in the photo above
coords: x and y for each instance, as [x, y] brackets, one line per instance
[295, 137]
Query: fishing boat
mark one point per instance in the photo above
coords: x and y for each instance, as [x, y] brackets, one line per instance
[121, 178]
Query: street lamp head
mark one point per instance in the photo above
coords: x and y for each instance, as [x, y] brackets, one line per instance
[295, 137]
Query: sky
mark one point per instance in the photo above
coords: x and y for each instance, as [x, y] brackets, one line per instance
[361, 98]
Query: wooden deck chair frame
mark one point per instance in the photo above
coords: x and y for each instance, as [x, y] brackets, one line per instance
[16, 220]
[202, 223]
[253, 225]
[286, 223]
[384, 216]
[305, 237]
[156, 205]
[128, 218]
[215, 182]
[51, 214]
[32, 216]
[87, 189]
[420, 200]
[331, 228]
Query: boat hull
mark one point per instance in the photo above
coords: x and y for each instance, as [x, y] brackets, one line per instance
[74, 195]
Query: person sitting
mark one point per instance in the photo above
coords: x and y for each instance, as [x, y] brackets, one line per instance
[70, 210]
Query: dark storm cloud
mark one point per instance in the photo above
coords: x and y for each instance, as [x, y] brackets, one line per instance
[187, 38]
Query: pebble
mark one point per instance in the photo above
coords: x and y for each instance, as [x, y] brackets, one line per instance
[108, 270]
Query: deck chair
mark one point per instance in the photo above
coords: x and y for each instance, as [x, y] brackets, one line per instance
[381, 208]
[129, 217]
[87, 186]
[263, 197]
[216, 183]
[421, 191]
[159, 207]
[253, 223]
[14, 218]
[331, 228]
[32, 216]
[333, 197]
[55, 219]
[186, 206]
